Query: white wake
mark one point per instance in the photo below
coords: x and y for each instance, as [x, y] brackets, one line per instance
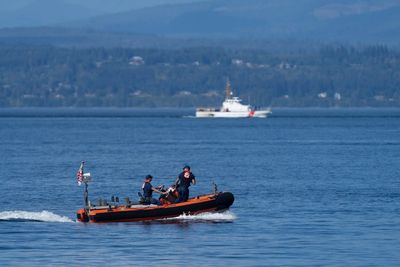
[43, 216]
[208, 216]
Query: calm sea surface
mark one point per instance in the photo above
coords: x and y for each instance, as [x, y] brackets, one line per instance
[312, 187]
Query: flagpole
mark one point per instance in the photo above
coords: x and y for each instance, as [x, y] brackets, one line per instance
[86, 193]
[86, 196]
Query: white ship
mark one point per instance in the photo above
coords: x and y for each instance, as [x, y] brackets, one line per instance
[232, 108]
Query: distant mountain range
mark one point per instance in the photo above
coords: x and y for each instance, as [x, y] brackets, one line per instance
[338, 20]
[43, 12]
[33, 13]
[356, 21]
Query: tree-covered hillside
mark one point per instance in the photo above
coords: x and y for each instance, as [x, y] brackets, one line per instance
[122, 77]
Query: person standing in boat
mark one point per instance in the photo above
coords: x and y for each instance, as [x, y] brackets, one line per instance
[148, 190]
[183, 182]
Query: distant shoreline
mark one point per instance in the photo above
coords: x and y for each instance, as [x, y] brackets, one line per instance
[278, 112]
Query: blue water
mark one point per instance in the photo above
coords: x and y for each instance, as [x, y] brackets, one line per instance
[312, 187]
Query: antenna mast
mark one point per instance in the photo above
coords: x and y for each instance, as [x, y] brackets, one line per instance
[228, 89]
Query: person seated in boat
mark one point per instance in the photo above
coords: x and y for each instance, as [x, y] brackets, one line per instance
[170, 196]
[148, 190]
[183, 182]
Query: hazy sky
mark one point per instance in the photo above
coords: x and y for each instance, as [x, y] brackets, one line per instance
[103, 6]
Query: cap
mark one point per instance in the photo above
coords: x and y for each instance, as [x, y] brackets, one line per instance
[148, 176]
[186, 167]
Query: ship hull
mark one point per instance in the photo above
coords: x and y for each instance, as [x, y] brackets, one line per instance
[231, 114]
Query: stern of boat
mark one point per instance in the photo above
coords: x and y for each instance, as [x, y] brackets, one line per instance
[81, 215]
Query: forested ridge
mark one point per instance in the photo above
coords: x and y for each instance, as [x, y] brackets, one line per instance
[333, 75]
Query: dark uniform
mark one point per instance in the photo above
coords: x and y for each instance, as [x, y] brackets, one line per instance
[183, 185]
[148, 194]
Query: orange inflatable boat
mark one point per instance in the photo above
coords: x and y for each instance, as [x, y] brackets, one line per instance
[116, 212]
[219, 201]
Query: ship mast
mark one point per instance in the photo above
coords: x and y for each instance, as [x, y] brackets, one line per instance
[228, 90]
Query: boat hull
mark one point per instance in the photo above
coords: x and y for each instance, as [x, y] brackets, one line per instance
[207, 203]
[221, 114]
[231, 114]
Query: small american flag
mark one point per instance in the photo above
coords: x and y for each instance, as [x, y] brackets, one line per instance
[79, 174]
